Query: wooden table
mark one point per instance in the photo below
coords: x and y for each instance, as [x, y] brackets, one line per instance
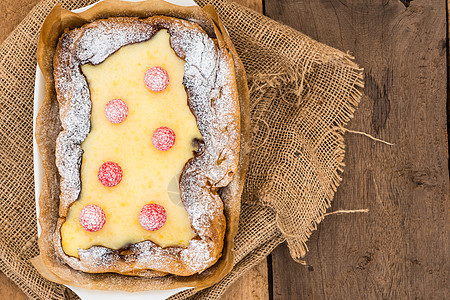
[400, 249]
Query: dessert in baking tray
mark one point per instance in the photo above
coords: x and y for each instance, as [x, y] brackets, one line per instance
[131, 132]
[150, 133]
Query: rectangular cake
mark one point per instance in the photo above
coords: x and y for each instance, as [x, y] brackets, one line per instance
[147, 165]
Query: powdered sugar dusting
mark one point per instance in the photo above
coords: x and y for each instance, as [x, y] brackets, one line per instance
[163, 138]
[152, 216]
[156, 79]
[116, 111]
[212, 95]
[92, 218]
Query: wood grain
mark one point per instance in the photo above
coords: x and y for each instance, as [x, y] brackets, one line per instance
[251, 286]
[12, 13]
[256, 5]
[399, 250]
[8, 290]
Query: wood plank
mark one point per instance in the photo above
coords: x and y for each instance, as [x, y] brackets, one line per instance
[251, 286]
[13, 12]
[399, 250]
[9, 290]
[256, 5]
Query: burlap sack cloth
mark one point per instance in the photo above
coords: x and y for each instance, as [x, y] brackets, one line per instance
[302, 94]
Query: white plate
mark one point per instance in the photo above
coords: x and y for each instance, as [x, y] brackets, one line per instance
[85, 294]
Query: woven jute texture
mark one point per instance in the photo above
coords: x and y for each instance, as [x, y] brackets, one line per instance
[302, 93]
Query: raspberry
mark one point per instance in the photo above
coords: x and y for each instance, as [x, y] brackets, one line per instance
[92, 218]
[116, 111]
[156, 79]
[163, 138]
[152, 216]
[110, 174]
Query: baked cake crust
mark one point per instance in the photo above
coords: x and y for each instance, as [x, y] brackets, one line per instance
[48, 127]
[211, 88]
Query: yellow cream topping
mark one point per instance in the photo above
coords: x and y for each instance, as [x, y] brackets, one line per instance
[149, 175]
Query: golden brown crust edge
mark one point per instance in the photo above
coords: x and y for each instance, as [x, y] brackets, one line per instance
[201, 175]
[48, 263]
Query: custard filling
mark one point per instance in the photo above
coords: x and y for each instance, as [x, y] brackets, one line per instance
[149, 175]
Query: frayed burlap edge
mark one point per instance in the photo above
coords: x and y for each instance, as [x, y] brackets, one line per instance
[19, 269]
[261, 84]
[289, 71]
